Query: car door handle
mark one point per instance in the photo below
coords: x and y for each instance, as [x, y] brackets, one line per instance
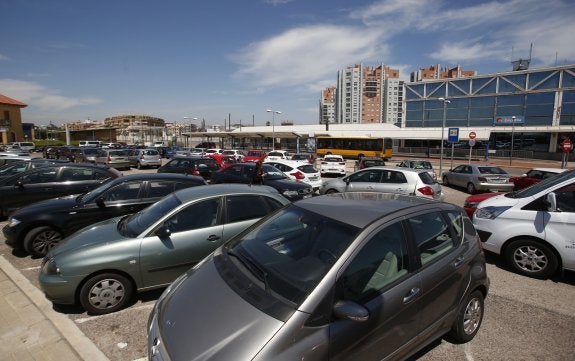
[459, 261]
[412, 295]
[213, 238]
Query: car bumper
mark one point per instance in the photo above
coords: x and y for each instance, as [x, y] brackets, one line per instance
[58, 289]
[495, 187]
[11, 237]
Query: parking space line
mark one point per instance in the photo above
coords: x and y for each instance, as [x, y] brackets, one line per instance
[30, 268]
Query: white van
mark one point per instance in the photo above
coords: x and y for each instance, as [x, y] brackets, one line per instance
[24, 146]
[90, 143]
[534, 229]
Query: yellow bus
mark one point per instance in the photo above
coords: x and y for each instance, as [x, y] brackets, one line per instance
[354, 147]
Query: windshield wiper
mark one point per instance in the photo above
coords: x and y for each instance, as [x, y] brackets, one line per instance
[251, 265]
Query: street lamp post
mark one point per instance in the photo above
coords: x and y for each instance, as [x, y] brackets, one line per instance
[512, 139]
[189, 135]
[274, 112]
[445, 102]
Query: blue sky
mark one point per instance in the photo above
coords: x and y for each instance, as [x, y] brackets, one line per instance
[72, 60]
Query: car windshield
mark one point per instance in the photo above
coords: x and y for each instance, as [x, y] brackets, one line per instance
[292, 251]
[272, 173]
[134, 225]
[422, 165]
[426, 178]
[91, 151]
[491, 170]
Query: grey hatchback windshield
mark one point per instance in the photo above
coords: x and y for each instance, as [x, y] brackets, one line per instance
[135, 224]
[279, 253]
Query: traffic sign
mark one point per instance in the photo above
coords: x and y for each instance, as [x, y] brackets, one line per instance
[471, 142]
[472, 135]
[453, 135]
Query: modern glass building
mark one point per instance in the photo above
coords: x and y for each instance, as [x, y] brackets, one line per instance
[538, 103]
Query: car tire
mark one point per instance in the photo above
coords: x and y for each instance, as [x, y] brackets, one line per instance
[331, 191]
[40, 240]
[105, 293]
[445, 181]
[531, 258]
[139, 165]
[468, 319]
[471, 188]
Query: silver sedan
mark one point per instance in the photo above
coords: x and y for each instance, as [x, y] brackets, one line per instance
[478, 177]
[388, 180]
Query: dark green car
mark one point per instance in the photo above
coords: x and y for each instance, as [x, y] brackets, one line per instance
[103, 265]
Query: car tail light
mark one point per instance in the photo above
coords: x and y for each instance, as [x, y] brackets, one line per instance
[298, 175]
[109, 158]
[141, 156]
[195, 170]
[428, 191]
[482, 179]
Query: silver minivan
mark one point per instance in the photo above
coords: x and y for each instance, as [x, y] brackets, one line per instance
[348, 276]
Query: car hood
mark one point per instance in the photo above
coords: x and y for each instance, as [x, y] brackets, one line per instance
[286, 184]
[49, 205]
[502, 201]
[204, 319]
[94, 234]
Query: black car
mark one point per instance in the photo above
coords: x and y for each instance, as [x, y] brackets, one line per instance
[199, 166]
[13, 168]
[41, 226]
[50, 181]
[273, 177]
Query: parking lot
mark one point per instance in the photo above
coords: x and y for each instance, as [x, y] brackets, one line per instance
[525, 319]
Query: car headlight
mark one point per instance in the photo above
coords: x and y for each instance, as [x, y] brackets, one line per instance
[288, 193]
[13, 222]
[490, 212]
[50, 267]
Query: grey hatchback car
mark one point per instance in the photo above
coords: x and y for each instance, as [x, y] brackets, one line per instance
[388, 180]
[104, 264]
[478, 177]
[347, 276]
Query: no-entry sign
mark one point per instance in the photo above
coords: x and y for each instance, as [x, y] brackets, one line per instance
[472, 135]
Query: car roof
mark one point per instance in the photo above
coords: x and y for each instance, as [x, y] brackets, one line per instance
[396, 169]
[361, 208]
[153, 176]
[223, 189]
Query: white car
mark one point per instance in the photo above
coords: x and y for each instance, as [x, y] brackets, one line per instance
[532, 228]
[277, 155]
[214, 150]
[414, 182]
[238, 154]
[299, 171]
[333, 164]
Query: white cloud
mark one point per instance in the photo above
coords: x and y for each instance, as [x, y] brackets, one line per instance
[3, 57]
[308, 54]
[277, 2]
[40, 97]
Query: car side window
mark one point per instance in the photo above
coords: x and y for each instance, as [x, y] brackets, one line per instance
[76, 174]
[372, 176]
[195, 216]
[43, 175]
[566, 198]
[245, 207]
[381, 262]
[122, 192]
[161, 188]
[393, 177]
[433, 236]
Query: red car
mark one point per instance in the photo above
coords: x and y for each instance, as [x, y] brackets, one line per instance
[254, 155]
[472, 201]
[534, 175]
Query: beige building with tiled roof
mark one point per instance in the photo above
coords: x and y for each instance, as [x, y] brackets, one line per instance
[11, 120]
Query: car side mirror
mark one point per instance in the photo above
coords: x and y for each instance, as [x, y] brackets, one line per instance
[551, 202]
[349, 310]
[100, 202]
[163, 231]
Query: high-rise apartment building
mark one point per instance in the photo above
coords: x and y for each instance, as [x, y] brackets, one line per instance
[362, 95]
[327, 106]
[435, 72]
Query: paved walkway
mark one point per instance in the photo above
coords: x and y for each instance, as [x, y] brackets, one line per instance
[31, 330]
